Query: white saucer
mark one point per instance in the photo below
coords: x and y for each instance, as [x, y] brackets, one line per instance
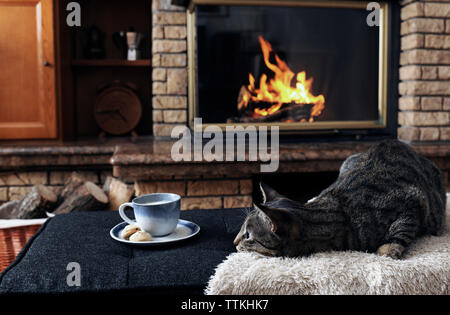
[184, 230]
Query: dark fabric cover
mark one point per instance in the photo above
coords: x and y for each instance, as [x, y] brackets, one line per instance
[110, 266]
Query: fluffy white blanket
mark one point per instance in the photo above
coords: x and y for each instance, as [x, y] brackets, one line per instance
[425, 269]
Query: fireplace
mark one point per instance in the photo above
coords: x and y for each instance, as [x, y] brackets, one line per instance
[305, 66]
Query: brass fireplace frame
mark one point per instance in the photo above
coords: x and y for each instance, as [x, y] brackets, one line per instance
[298, 126]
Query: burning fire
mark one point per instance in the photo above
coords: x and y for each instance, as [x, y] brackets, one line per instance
[278, 90]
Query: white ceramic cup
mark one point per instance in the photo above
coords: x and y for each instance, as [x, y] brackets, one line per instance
[157, 214]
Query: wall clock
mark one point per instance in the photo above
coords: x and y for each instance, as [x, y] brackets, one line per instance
[117, 109]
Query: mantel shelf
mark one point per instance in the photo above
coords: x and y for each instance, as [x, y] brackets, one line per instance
[111, 63]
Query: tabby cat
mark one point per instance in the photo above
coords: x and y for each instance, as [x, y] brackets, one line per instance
[382, 200]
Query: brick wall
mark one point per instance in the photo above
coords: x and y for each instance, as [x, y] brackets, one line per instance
[201, 193]
[169, 60]
[196, 193]
[424, 89]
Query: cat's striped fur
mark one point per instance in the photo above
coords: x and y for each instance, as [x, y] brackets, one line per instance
[381, 202]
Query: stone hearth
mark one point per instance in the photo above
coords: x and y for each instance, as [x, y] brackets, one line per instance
[147, 164]
[231, 184]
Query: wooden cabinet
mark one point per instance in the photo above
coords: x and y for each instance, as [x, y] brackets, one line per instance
[47, 86]
[27, 70]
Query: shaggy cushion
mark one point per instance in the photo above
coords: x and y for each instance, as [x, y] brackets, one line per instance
[425, 269]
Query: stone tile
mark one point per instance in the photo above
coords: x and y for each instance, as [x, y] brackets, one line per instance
[245, 186]
[431, 103]
[444, 73]
[156, 60]
[59, 177]
[412, 10]
[175, 187]
[425, 56]
[23, 178]
[175, 32]
[446, 106]
[429, 134]
[237, 202]
[429, 73]
[437, 10]
[424, 88]
[170, 102]
[177, 81]
[159, 74]
[175, 116]
[444, 133]
[437, 41]
[169, 18]
[212, 187]
[409, 103]
[168, 46]
[158, 116]
[3, 194]
[17, 193]
[412, 41]
[424, 118]
[157, 32]
[408, 133]
[197, 203]
[164, 130]
[159, 88]
[422, 25]
[173, 60]
[410, 72]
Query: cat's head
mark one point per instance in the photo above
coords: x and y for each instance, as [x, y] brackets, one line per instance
[270, 228]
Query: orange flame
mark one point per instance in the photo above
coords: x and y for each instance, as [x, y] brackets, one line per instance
[279, 90]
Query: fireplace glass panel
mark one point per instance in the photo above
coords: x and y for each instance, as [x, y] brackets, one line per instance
[334, 46]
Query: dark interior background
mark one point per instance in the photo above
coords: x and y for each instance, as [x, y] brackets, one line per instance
[335, 46]
[296, 186]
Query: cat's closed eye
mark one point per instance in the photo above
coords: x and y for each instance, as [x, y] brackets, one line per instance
[246, 235]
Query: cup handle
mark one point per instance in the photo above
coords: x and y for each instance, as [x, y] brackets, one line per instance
[123, 215]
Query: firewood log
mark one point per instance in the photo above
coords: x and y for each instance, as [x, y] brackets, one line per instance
[292, 111]
[7, 208]
[35, 204]
[70, 185]
[243, 99]
[87, 197]
[118, 192]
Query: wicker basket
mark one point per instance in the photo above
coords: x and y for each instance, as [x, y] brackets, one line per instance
[12, 240]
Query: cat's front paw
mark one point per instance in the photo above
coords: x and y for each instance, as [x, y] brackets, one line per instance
[395, 251]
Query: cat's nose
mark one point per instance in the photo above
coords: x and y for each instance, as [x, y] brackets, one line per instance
[237, 240]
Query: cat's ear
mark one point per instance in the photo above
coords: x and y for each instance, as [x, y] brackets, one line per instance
[268, 193]
[281, 219]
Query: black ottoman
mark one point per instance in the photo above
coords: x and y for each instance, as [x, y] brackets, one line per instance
[109, 266]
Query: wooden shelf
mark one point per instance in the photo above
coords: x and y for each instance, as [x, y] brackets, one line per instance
[111, 63]
[81, 77]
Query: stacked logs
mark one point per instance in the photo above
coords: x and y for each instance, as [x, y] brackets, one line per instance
[76, 195]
